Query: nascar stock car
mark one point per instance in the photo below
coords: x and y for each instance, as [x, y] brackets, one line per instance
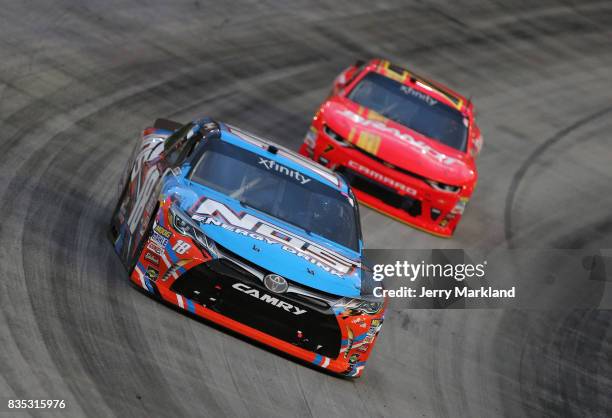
[406, 145]
[251, 236]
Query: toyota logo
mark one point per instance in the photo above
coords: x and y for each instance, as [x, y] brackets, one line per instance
[275, 283]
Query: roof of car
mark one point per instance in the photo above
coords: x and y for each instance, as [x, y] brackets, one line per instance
[282, 155]
[405, 76]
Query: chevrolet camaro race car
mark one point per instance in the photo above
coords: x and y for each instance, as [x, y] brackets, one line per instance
[406, 145]
[251, 236]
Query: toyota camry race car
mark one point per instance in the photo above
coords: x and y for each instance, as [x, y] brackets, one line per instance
[251, 236]
[407, 145]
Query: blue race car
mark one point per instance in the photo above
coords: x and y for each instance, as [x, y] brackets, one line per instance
[251, 236]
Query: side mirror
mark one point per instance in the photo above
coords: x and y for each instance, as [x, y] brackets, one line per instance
[476, 146]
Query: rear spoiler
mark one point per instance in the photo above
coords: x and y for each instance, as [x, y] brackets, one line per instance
[167, 124]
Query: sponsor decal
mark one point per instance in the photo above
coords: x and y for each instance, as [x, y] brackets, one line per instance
[275, 283]
[174, 268]
[419, 95]
[381, 178]
[162, 231]
[369, 142]
[151, 246]
[252, 139]
[152, 273]
[264, 297]
[274, 166]
[150, 257]
[216, 213]
[159, 240]
[420, 145]
[181, 247]
[373, 330]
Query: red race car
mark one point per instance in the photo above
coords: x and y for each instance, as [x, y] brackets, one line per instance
[406, 145]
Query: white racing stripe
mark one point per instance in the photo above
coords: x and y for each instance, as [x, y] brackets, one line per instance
[325, 363]
[180, 301]
[163, 256]
[141, 277]
[169, 265]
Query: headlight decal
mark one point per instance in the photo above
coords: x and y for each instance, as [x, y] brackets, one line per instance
[311, 137]
[448, 188]
[184, 225]
[460, 206]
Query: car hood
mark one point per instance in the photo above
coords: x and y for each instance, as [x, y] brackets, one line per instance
[270, 254]
[397, 144]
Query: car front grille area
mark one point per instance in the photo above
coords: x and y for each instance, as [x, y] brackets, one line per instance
[379, 191]
[314, 299]
[239, 295]
[333, 134]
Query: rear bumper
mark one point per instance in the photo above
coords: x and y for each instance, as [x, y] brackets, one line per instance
[406, 198]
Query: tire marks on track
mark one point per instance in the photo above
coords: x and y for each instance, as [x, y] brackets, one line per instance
[519, 175]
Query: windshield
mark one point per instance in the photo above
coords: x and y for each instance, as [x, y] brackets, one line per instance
[412, 108]
[279, 191]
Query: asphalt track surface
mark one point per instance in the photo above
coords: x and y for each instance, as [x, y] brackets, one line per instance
[79, 80]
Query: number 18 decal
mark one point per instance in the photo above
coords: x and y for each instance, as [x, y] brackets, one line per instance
[181, 247]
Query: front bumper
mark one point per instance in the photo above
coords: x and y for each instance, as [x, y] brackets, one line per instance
[218, 290]
[399, 194]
